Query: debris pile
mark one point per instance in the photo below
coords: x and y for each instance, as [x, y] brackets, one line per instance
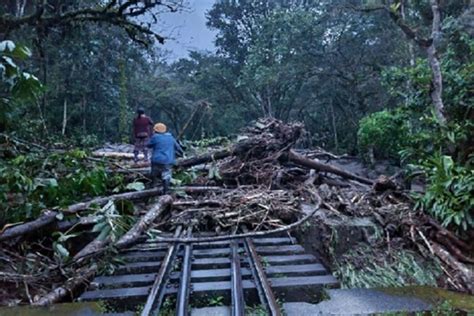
[258, 209]
[259, 185]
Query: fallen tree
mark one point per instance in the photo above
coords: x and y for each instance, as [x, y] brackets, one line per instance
[131, 236]
[49, 217]
[319, 166]
[97, 246]
[71, 286]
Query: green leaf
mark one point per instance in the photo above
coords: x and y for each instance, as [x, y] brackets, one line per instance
[135, 186]
[21, 52]
[52, 182]
[104, 233]
[61, 250]
[98, 227]
[64, 237]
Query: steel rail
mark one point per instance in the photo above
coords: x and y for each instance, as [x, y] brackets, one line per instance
[157, 292]
[237, 291]
[185, 282]
[261, 282]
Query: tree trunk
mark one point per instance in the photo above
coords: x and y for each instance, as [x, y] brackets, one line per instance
[465, 273]
[145, 222]
[49, 216]
[333, 122]
[63, 131]
[91, 248]
[437, 77]
[57, 295]
[20, 8]
[312, 164]
[411, 52]
[130, 237]
[430, 46]
[199, 108]
[84, 112]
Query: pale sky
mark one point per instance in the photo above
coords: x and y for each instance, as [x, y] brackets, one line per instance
[187, 29]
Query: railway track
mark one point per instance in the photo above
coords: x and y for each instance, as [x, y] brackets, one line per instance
[242, 272]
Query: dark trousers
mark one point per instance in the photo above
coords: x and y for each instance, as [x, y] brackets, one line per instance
[162, 171]
[140, 145]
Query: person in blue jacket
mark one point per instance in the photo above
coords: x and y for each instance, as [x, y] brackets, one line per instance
[165, 148]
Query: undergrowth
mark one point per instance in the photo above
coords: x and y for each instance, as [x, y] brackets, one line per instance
[39, 179]
[449, 193]
[366, 268]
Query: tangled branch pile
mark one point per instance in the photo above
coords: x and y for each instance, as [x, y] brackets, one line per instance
[260, 183]
[258, 209]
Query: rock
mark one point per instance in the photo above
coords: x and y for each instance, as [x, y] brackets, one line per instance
[342, 233]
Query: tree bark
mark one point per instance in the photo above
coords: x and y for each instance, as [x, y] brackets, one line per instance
[333, 122]
[112, 154]
[312, 164]
[182, 163]
[130, 237]
[465, 273]
[437, 77]
[63, 130]
[430, 46]
[145, 222]
[71, 285]
[91, 248]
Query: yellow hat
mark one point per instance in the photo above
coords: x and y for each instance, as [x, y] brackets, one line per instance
[159, 128]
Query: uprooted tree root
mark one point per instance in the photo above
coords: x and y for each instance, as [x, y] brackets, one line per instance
[261, 183]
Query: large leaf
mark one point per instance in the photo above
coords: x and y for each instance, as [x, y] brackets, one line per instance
[135, 186]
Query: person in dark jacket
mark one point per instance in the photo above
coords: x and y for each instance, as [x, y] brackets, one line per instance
[165, 149]
[142, 130]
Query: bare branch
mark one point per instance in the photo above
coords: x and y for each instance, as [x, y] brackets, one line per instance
[120, 13]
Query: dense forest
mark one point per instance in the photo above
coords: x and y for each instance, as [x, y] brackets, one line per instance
[384, 80]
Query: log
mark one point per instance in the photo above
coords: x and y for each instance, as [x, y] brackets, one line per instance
[91, 248]
[97, 246]
[203, 189]
[135, 195]
[198, 203]
[112, 154]
[50, 216]
[465, 273]
[449, 235]
[81, 221]
[183, 163]
[145, 222]
[312, 164]
[198, 160]
[130, 237]
[72, 285]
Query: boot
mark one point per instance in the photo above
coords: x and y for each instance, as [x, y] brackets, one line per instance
[166, 186]
[135, 156]
[145, 154]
